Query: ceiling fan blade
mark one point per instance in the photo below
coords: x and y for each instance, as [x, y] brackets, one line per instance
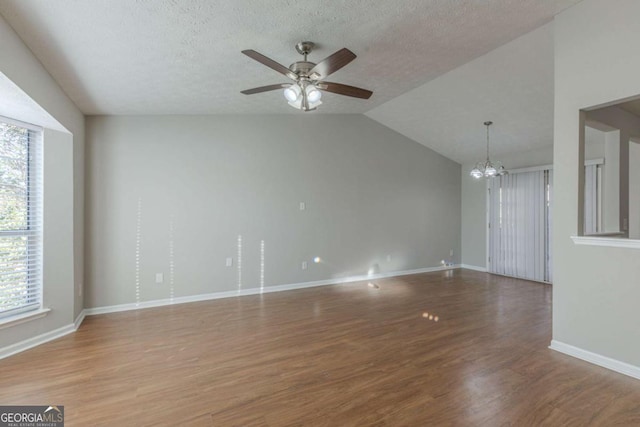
[270, 63]
[332, 63]
[265, 88]
[347, 90]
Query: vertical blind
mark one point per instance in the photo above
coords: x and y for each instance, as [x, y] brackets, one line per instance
[20, 217]
[549, 228]
[520, 225]
[592, 198]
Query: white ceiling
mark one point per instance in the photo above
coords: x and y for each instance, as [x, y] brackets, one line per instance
[183, 57]
[511, 86]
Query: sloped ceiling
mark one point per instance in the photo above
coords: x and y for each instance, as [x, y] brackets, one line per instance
[511, 86]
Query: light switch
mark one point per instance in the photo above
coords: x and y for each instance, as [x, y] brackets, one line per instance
[159, 277]
[229, 262]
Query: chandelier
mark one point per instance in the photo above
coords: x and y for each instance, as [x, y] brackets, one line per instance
[488, 169]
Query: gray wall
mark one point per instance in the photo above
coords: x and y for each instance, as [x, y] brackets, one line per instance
[58, 266]
[474, 220]
[63, 192]
[596, 289]
[195, 183]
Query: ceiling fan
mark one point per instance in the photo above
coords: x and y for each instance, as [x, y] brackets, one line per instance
[308, 78]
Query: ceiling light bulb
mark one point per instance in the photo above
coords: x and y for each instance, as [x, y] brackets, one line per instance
[313, 94]
[490, 171]
[476, 173]
[292, 93]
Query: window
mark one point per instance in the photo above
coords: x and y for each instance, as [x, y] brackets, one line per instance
[20, 218]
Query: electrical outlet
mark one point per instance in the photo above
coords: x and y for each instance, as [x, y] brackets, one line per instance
[159, 278]
[229, 262]
[303, 206]
[304, 265]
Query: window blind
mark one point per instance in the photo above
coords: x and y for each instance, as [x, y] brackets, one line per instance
[20, 217]
[592, 198]
[519, 225]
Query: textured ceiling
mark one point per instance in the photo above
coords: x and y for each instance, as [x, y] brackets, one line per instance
[511, 86]
[183, 56]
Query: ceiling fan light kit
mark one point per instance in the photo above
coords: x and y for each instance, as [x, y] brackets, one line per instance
[303, 96]
[308, 78]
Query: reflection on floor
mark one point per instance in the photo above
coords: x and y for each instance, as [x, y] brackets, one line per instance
[335, 355]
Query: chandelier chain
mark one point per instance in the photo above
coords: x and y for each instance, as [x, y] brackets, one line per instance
[487, 125]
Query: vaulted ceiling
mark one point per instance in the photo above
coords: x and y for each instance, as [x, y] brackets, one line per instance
[511, 86]
[183, 56]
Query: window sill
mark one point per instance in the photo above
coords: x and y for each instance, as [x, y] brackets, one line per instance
[23, 317]
[606, 241]
[605, 234]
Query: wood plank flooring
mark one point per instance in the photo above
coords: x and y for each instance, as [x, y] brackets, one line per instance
[341, 355]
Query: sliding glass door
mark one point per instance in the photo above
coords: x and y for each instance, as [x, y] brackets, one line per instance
[520, 225]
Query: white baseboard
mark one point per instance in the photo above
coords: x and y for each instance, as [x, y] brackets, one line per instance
[473, 267]
[79, 319]
[256, 291]
[596, 359]
[18, 347]
[35, 341]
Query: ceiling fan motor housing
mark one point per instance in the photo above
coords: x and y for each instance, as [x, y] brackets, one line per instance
[302, 68]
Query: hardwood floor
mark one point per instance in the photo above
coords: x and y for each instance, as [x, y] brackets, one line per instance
[330, 356]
